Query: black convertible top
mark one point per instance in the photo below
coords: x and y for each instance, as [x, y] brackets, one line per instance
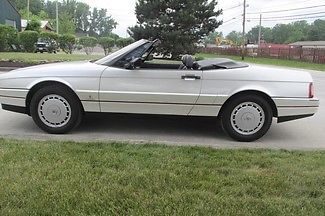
[220, 63]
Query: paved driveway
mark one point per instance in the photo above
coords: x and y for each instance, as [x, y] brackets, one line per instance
[302, 134]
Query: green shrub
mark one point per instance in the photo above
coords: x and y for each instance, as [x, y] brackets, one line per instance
[122, 42]
[34, 25]
[28, 39]
[67, 42]
[49, 36]
[88, 43]
[51, 39]
[8, 37]
[107, 43]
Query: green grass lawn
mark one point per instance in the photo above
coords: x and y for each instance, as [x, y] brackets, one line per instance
[268, 61]
[35, 58]
[67, 178]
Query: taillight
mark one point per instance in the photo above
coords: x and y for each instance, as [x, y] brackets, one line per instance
[311, 90]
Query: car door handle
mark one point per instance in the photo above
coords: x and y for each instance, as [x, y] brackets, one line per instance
[189, 77]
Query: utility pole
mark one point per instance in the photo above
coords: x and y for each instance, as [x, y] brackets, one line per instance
[57, 17]
[27, 11]
[244, 40]
[260, 32]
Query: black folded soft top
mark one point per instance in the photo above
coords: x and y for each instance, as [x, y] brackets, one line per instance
[220, 63]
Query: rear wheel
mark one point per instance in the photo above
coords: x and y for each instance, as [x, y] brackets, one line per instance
[55, 109]
[247, 118]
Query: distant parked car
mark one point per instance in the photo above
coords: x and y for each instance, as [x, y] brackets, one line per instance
[245, 97]
[46, 46]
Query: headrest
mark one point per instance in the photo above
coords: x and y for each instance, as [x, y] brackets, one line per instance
[188, 61]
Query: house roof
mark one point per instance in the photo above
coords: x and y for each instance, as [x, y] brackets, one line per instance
[13, 6]
[308, 43]
[44, 23]
[275, 46]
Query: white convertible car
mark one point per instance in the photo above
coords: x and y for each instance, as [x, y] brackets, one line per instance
[245, 97]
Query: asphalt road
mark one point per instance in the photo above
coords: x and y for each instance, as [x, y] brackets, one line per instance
[304, 134]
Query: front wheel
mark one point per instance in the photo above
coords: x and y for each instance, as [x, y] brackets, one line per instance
[55, 109]
[247, 118]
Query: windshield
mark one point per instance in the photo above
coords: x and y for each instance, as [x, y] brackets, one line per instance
[121, 52]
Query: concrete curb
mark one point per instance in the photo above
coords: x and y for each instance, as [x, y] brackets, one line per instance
[6, 69]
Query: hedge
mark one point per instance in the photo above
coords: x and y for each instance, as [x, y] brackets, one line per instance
[28, 39]
[67, 42]
[107, 43]
[8, 37]
[88, 43]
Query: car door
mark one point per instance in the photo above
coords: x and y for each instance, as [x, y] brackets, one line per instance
[149, 91]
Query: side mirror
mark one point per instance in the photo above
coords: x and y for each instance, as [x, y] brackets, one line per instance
[136, 62]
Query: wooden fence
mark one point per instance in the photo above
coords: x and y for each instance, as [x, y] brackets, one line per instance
[305, 54]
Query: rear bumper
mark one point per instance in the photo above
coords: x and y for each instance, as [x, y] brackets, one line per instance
[295, 108]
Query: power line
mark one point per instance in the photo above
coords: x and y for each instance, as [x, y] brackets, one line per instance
[290, 3]
[229, 20]
[291, 16]
[293, 9]
[229, 23]
[297, 18]
[233, 7]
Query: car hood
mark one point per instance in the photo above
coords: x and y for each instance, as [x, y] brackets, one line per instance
[82, 68]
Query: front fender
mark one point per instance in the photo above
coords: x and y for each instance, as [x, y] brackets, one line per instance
[49, 79]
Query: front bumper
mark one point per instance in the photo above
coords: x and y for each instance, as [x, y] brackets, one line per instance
[295, 108]
[13, 99]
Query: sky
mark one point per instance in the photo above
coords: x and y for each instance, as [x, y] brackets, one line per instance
[123, 12]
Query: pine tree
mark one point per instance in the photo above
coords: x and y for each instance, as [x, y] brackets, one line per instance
[179, 24]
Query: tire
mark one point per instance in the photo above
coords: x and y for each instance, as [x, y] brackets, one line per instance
[56, 109]
[247, 118]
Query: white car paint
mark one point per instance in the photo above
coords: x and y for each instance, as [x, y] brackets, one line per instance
[103, 88]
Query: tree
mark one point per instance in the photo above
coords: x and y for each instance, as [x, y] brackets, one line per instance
[317, 31]
[66, 24]
[35, 6]
[82, 16]
[34, 25]
[179, 24]
[298, 31]
[211, 38]
[100, 23]
[67, 42]
[107, 43]
[88, 43]
[105, 23]
[281, 33]
[50, 8]
[114, 36]
[266, 34]
[122, 42]
[28, 39]
[235, 37]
